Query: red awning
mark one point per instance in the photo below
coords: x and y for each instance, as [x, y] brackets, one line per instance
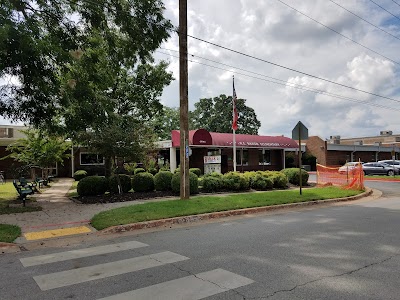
[202, 137]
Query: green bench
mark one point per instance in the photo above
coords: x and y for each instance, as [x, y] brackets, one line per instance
[23, 191]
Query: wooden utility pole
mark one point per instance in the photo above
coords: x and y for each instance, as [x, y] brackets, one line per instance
[184, 107]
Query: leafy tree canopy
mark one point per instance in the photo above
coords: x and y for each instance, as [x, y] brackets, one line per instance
[39, 149]
[41, 41]
[215, 115]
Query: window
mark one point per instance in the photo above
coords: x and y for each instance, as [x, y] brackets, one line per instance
[242, 157]
[264, 157]
[213, 152]
[91, 159]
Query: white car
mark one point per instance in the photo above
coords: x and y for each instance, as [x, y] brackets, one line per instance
[349, 167]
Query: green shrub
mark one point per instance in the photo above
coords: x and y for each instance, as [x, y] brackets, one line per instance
[196, 171]
[294, 177]
[126, 183]
[139, 170]
[235, 181]
[152, 171]
[162, 181]
[78, 175]
[92, 186]
[261, 182]
[212, 183]
[193, 183]
[143, 182]
[250, 176]
[280, 180]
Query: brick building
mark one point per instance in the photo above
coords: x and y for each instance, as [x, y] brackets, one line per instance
[336, 151]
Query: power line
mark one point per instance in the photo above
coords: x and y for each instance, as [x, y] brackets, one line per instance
[282, 82]
[354, 14]
[294, 70]
[337, 32]
[385, 9]
[396, 2]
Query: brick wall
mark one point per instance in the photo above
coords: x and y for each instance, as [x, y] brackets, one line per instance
[317, 147]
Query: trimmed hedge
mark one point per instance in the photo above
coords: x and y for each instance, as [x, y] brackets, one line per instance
[126, 183]
[79, 174]
[212, 183]
[139, 170]
[294, 176]
[235, 181]
[193, 183]
[92, 186]
[196, 171]
[162, 181]
[261, 182]
[143, 182]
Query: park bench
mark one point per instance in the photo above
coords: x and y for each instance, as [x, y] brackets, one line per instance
[40, 181]
[23, 192]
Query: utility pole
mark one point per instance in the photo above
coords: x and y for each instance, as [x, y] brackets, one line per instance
[184, 107]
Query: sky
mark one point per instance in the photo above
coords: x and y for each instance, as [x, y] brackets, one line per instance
[271, 31]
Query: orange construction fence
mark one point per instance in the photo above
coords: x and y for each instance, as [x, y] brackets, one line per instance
[348, 177]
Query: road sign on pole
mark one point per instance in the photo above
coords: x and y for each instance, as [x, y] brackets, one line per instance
[300, 132]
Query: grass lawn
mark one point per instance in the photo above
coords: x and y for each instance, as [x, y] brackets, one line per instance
[8, 233]
[206, 204]
[72, 191]
[396, 177]
[8, 194]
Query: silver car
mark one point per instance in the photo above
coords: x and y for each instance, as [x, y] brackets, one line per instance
[377, 168]
[392, 163]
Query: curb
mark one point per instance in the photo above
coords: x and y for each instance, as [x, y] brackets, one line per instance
[222, 214]
[9, 248]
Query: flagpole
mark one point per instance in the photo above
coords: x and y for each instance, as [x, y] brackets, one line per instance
[234, 131]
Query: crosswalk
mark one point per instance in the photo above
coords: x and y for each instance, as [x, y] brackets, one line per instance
[194, 286]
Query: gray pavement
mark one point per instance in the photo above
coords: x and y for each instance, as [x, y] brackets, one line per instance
[59, 211]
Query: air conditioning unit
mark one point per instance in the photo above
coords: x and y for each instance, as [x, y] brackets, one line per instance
[386, 132]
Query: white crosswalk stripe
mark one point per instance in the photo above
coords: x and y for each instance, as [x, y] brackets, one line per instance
[193, 287]
[66, 278]
[80, 253]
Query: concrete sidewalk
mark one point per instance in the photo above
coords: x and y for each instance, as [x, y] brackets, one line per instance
[58, 210]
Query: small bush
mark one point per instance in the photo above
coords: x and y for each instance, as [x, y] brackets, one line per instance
[143, 182]
[78, 175]
[261, 182]
[280, 180]
[196, 171]
[162, 181]
[212, 184]
[152, 171]
[193, 183]
[294, 177]
[126, 184]
[139, 170]
[92, 186]
[234, 181]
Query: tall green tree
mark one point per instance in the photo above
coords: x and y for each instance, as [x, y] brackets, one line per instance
[41, 39]
[166, 120]
[215, 115]
[39, 149]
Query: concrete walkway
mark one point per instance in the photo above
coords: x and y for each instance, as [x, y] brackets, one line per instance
[58, 210]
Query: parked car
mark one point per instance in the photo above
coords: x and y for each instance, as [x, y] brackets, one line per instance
[393, 163]
[377, 168]
[349, 167]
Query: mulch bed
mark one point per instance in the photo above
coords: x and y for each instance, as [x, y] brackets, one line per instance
[112, 198]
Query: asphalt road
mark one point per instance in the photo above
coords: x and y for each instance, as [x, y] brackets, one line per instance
[345, 251]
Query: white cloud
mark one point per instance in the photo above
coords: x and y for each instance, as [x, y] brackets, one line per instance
[271, 31]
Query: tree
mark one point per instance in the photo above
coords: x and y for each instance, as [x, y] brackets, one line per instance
[41, 39]
[39, 149]
[166, 120]
[215, 115]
